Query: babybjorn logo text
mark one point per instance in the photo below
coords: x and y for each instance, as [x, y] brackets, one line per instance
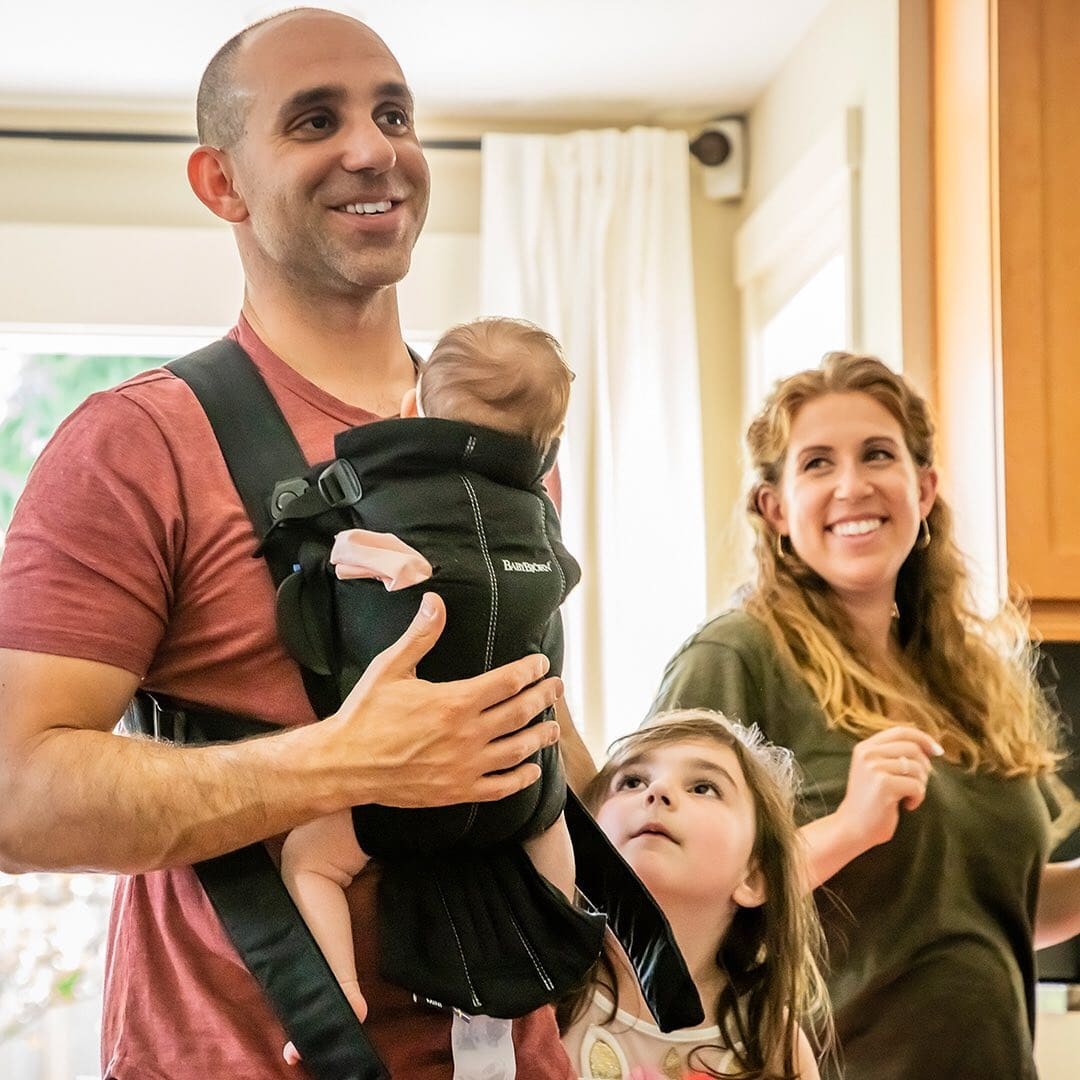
[527, 567]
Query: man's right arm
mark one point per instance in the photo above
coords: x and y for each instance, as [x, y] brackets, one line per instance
[75, 796]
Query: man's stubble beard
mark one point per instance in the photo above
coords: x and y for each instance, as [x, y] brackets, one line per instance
[316, 265]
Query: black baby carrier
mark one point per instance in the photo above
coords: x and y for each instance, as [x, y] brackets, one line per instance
[473, 927]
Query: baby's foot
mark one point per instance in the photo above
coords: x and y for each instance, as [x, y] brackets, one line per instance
[359, 1006]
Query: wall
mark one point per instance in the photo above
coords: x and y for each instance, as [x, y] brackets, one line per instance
[872, 55]
[850, 58]
[111, 234]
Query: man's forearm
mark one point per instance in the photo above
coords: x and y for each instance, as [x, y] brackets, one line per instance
[74, 796]
[90, 800]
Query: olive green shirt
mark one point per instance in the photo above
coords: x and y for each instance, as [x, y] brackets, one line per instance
[931, 968]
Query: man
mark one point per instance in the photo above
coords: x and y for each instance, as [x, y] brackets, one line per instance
[129, 563]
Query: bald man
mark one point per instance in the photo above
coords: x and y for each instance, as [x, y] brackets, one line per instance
[129, 564]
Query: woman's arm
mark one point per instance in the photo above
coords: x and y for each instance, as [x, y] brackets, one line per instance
[1057, 917]
[804, 1058]
[577, 761]
[889, 773]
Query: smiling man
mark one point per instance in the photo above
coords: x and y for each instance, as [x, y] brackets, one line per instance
[129, 564]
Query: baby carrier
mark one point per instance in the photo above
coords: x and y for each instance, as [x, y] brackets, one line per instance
[471, 500]
[465, 921]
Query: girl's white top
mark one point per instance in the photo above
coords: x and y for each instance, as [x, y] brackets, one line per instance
[611, 1051]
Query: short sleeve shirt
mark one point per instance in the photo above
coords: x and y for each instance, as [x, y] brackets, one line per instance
[130, 547]
[930, 969]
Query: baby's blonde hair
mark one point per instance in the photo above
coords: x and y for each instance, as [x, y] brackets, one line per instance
[505, 374]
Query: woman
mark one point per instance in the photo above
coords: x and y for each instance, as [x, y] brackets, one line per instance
[915, 720]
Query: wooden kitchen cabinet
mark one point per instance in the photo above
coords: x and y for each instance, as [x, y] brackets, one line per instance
[1006, 103]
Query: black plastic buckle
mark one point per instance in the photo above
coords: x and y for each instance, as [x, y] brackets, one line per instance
[339, 484]
[284, 493]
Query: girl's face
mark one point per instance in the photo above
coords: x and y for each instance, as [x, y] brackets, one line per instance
[851, 497]
[683, 817]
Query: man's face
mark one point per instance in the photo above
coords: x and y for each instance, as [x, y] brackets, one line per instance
[329, 167]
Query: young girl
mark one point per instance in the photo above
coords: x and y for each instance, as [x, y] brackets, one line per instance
[702, 809]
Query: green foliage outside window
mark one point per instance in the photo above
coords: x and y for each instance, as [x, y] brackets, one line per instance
[49, 387]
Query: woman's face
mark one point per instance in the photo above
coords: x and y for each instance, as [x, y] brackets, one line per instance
[683, 818]
[851, 497]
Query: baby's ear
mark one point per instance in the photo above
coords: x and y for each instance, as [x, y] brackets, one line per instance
[750, 892]
[408, 403]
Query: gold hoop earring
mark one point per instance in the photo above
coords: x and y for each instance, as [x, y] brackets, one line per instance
[780, 552]
[924, 536]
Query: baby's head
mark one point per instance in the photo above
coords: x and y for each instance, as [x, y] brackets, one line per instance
[505, 374]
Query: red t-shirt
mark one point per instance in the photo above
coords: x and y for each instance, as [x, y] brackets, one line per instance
[131, 547]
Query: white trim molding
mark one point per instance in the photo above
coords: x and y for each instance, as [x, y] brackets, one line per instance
[807, 218]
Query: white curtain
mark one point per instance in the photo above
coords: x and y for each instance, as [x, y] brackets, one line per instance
[588, 235]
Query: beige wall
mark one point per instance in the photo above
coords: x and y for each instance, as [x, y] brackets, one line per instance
[111, 233]
[850, 58]
[871, 55]
[720, 349]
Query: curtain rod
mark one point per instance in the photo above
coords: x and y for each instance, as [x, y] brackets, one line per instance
[701, 147]
[162, 137]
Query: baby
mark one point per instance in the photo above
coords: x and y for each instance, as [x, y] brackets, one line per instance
[452, 501]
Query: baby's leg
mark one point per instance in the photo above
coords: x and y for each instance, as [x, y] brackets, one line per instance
[318, 861]
[553, 856]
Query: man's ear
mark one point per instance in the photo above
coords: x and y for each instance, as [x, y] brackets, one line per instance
[750, 892]
[210, 174]
[408, 404]
[771, 509]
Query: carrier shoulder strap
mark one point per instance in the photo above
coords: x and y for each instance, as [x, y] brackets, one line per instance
[244, 886]
[259, 449]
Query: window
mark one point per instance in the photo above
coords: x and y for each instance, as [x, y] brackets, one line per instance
[797, 264]
[52, 926]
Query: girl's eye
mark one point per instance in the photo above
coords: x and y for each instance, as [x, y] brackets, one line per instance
[879, 453]
[706, 787]
[815, 463]
[628, 782]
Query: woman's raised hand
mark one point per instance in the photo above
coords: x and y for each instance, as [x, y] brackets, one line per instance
[889, 772]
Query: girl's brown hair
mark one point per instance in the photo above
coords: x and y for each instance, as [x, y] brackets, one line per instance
[965, 678]
[769, 954]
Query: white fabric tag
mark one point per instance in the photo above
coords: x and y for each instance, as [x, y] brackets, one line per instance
[483, 1048]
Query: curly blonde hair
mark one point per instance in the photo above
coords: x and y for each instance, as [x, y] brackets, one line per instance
[965, 678]
[770, 953]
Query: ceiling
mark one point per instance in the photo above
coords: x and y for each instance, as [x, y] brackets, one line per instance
[611, 60]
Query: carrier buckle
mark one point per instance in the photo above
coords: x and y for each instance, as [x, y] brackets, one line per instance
[339, 484]
[285, 491]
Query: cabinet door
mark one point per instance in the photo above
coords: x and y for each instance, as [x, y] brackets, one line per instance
[1038, 212]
